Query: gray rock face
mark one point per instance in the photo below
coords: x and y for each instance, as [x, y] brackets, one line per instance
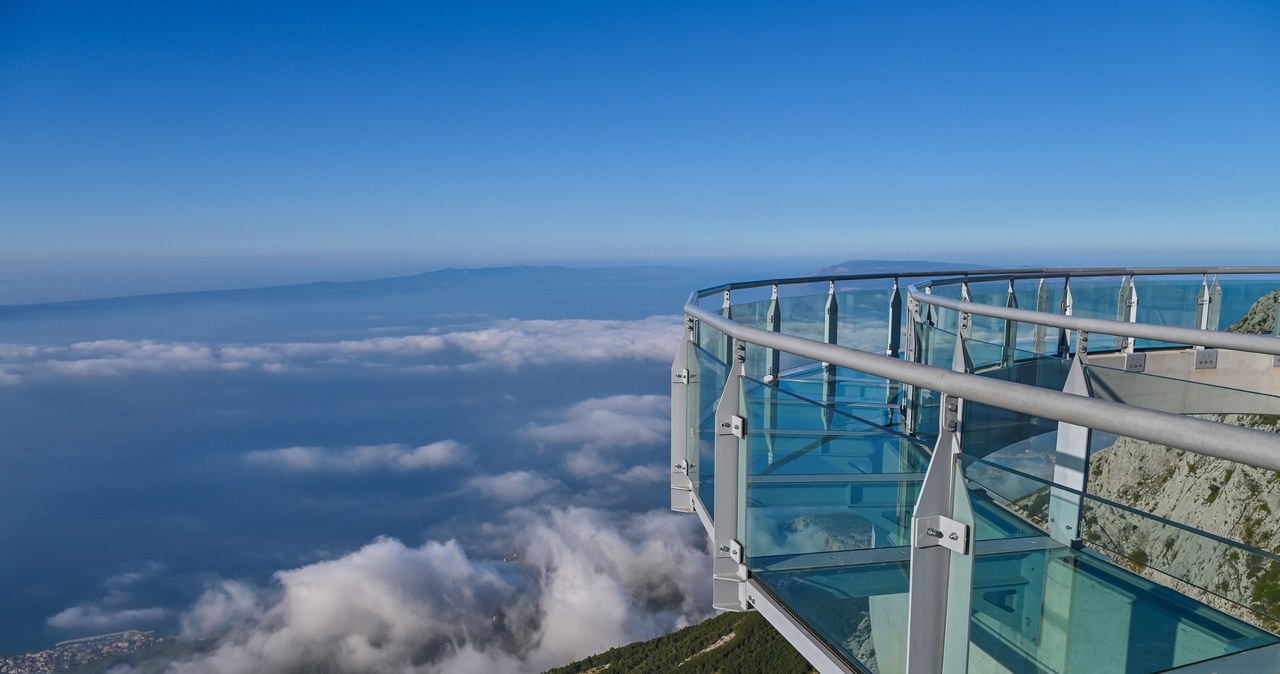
[1261, 319]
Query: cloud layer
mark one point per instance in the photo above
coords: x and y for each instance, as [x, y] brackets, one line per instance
[584, 580]
[506, 344]
[604, 431]
[364, 458]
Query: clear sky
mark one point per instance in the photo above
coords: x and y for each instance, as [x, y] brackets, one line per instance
[495, 132]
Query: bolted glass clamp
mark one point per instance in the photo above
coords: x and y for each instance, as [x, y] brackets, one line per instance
[731, 549]
[944, 531]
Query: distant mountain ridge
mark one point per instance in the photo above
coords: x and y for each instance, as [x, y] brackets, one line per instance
[891, 266]
[431, 280]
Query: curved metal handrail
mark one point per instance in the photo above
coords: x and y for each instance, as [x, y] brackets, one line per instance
[1233, 443]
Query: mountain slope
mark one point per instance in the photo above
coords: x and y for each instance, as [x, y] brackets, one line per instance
[743, 643]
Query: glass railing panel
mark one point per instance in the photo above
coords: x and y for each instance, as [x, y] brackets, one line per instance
[802, 308]
[791, 514]
[988, 429]
[1240, 294]
[870, 398]
[1169, 300]
[863, 318]
[1064, 611]
[1200, 526]
[859, 611]
[1218, 515]
[1039, 606]
[937, 346]
[752, 314]
[1096, 297]
[989, 293]
[709, 380]
[822, 480]
[1191, 561]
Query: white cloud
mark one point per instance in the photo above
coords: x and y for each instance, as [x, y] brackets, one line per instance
[585, 580]
[507, 344]
[110, 612]
[513, 343]
[603, 429]
[616, 421]
[514, 487]
[649, 474]
[364, 458]
[227, 608]
[96, 618]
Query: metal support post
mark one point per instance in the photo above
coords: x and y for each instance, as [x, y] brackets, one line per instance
[914, 338]
[1009, 353]
[892, 392]
[1127, 310]
[894, 349]
[941, 558]
[1214, 321]
[726, 310]
[964, 330]
[729, 570]
[1042, 305]
[683, 399]
[1070, 465]
[773, 321]
[773, 365]
[830, 334]
[1064, 340]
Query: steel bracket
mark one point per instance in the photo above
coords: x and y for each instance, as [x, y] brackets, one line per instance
[1206, 359]
[681, 377]
[941, 530]
[733, 549]
[1135, 362]
[684, 467]
[735, 426]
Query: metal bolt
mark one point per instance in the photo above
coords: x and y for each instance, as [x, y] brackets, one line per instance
[954, 536]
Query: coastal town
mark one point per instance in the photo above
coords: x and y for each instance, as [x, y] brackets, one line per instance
[76, 652]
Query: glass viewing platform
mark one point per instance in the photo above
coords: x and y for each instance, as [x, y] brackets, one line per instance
[997, 471]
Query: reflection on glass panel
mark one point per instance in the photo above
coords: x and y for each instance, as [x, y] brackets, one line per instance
[1175, 511]
[989, 429]
[859, 611]
[1062, 610]
[709, 379]
[863, 319]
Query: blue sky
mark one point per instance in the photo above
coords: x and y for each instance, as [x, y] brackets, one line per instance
[492, 132]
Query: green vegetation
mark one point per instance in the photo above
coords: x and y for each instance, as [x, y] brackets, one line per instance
[1266, 590]
[754, 648]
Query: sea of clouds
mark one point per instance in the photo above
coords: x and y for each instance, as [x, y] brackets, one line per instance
[557, 565]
